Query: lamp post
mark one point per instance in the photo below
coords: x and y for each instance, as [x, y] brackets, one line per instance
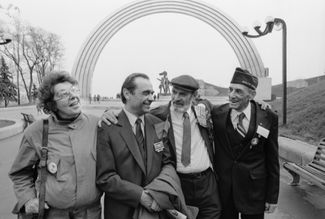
[280, 23]
[5, 41]
[4, 38]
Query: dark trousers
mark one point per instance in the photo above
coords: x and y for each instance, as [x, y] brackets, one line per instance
[201, 190]
[229, 211]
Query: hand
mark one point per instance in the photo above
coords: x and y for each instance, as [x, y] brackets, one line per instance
[146, 200]
[109, 117]
[155, 207]
[31, 206]
[263, 104]
[270, 208]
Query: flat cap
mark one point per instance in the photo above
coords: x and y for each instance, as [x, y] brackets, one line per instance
[185, 82]
[242, 76]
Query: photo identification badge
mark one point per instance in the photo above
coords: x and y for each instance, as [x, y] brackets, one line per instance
[262, 131]
[159, 146]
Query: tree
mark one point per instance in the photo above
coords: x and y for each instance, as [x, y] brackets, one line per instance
[8, 90]
[12, 14]
[50, 51]
[34, 52]
[34, 93]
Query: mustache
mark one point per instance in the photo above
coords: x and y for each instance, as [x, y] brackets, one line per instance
[178, 102]
[147, 101]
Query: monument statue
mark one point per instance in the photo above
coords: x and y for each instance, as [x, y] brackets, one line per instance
[164, 84]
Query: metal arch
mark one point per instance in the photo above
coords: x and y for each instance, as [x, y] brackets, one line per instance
[88, 56]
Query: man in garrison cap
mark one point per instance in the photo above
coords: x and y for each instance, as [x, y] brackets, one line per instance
[246, 151]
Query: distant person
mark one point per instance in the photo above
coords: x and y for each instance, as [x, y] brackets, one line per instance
[132, 154]
[98, 98]
[70, 190]
[246, 152]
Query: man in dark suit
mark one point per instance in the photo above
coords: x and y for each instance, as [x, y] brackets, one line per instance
[130, 154]
[246, 156]
[192, 147]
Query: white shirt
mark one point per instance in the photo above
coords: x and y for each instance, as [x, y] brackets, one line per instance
[200, 160]
[234, 117]
[132, 119]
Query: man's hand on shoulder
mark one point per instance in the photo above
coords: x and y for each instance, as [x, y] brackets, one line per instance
[109, 117]
[264, 105]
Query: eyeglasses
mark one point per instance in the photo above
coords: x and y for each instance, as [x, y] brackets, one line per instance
[66, 94]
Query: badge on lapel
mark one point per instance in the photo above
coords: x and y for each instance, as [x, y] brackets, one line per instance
[201, 114]
[262, 131]
[162, 129]
[158, 146]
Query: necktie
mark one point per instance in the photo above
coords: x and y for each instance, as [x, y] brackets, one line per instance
[240, 127]
[186, 147]
[140, 139]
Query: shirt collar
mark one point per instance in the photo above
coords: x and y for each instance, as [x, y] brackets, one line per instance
[132, 118]
[246, 111]
[178, 113]
[75, 124]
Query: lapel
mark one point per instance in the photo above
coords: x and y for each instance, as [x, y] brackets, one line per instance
[171, 136]
[205, 135]
[130, 140]
[262, 118]
[150, 134]
[258, 118]
[222, 119]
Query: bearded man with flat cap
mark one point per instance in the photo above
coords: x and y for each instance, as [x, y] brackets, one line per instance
[192, 147]
[246, 151]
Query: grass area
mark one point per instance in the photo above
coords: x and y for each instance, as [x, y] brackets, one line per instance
[4, 123]
[305, 113]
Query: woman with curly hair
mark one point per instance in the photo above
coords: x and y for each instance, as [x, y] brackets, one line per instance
[70, 189]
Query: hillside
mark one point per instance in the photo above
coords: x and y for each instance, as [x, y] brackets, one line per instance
[222, 91]
[296, 85]
[305, 113]
[278, 91]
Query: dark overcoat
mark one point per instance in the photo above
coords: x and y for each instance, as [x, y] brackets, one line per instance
[250, 168]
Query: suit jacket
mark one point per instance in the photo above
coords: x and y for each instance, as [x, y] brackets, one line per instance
[251, 170]
[121, 172]
[163, 112]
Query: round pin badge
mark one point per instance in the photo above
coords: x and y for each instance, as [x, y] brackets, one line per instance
[52, 168]
[254, 141]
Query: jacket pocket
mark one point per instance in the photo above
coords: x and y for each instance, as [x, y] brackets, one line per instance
[66, 172]
[257, 175]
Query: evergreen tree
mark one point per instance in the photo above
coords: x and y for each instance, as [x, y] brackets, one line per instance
[8, 90]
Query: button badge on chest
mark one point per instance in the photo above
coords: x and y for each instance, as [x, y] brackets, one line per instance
[52, 167]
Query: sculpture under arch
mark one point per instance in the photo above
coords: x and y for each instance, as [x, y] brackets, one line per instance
[88, 56]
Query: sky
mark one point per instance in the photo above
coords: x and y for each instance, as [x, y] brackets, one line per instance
[182, 44]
